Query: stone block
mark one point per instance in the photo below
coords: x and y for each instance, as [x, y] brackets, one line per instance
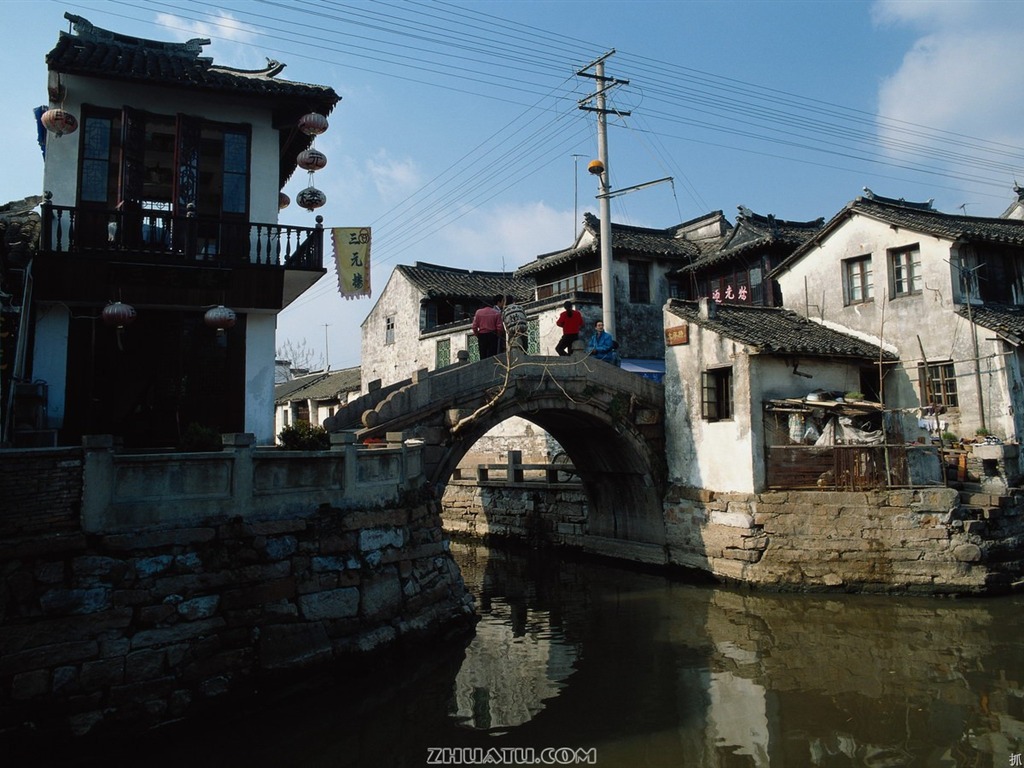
[75, 601]
[143, 665]
[378, 538]
[331, 604]
[258, 594]
[199, 607]
[284, 646]
[30, 685]
[381, 596]
[102, 672]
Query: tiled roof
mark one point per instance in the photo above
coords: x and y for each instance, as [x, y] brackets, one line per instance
[1006, 320]
[777, 331]
[100, 53]
[448, 282]
[918, 217]
[663, 243]
[755, 232]
[319, 386]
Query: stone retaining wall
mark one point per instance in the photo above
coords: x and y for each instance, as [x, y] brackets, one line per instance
[517, 511]
[887, 541]
[134, 629]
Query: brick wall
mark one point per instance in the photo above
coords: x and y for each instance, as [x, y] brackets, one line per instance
[40, 491]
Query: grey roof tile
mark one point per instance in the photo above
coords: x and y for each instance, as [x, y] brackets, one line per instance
[1006, 320]
[435, 281]
[775, 330]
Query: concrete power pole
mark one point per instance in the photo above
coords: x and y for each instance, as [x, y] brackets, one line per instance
[604, 197]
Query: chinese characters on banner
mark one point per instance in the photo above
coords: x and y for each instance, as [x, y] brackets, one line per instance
[718, 295]
[352, 260]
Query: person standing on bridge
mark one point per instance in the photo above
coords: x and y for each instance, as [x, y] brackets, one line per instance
[487, 328]
[513, 317]
[603, 346]
[571, 323]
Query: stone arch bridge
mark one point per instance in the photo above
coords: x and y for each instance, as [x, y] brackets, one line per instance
[610, 423]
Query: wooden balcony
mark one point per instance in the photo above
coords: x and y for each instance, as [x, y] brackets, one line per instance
[164, 258]
[152, 233]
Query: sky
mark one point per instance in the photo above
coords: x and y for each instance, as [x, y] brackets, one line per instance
[460, 140]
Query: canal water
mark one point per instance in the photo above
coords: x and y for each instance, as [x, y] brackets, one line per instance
[636, 669]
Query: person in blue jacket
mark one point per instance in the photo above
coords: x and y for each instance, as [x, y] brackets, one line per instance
[603, 346]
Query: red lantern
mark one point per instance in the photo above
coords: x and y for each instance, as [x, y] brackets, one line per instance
[283, 201]
[118, 314]
[58, 122]
[313, 124]
[220, 317]
[311, 198]
[311, 159]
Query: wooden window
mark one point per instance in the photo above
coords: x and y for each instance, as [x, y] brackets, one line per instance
[905, 271]
[938, 384]
[857, 280]
[716, 394]
[389, 330]
[639, 282]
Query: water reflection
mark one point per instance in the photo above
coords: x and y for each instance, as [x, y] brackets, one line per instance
[653, 672]
[672, 674]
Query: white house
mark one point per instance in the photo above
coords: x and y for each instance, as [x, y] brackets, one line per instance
[162, 206]
[313, 397]
[943, 290]
[725, 367]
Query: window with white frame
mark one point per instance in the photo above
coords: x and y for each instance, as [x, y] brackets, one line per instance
[905, 271]
[389, 329]
[716, 394]
[857, 281]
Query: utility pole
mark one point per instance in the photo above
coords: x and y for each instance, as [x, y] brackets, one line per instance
[603, 85]
[327, 349]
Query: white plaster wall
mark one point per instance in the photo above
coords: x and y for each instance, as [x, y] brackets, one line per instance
[260, 332]
[397, 361]
[61, 167]
[815, 285]
[716, 455]
[50, 357]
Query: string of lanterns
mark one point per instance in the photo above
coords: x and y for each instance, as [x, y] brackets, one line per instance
[312, 160]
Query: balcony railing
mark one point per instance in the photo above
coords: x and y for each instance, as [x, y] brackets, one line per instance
[152, 232]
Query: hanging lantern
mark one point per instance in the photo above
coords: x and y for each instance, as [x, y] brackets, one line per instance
[59, 122]
[311, 198]
[313, 124]
[220, 317]
[283, 201]
[118, 314]
[311, 160]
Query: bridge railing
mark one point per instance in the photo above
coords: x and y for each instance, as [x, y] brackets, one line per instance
[515, 472]
[129, 491]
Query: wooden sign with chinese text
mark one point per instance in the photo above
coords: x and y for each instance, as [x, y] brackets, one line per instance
[677, 334]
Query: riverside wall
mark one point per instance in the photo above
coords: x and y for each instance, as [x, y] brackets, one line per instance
[930, 540]
[927, 541]
[106, 628]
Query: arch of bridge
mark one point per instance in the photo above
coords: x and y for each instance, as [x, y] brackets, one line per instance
[609, 422]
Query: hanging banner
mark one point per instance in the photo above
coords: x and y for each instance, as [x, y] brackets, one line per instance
[352, 260]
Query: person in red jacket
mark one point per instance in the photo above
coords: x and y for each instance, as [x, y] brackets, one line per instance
[571, 323]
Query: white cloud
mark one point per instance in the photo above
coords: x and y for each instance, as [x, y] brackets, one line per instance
[507, 237]
[394, 179]
[960, 75]
[225, 27]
